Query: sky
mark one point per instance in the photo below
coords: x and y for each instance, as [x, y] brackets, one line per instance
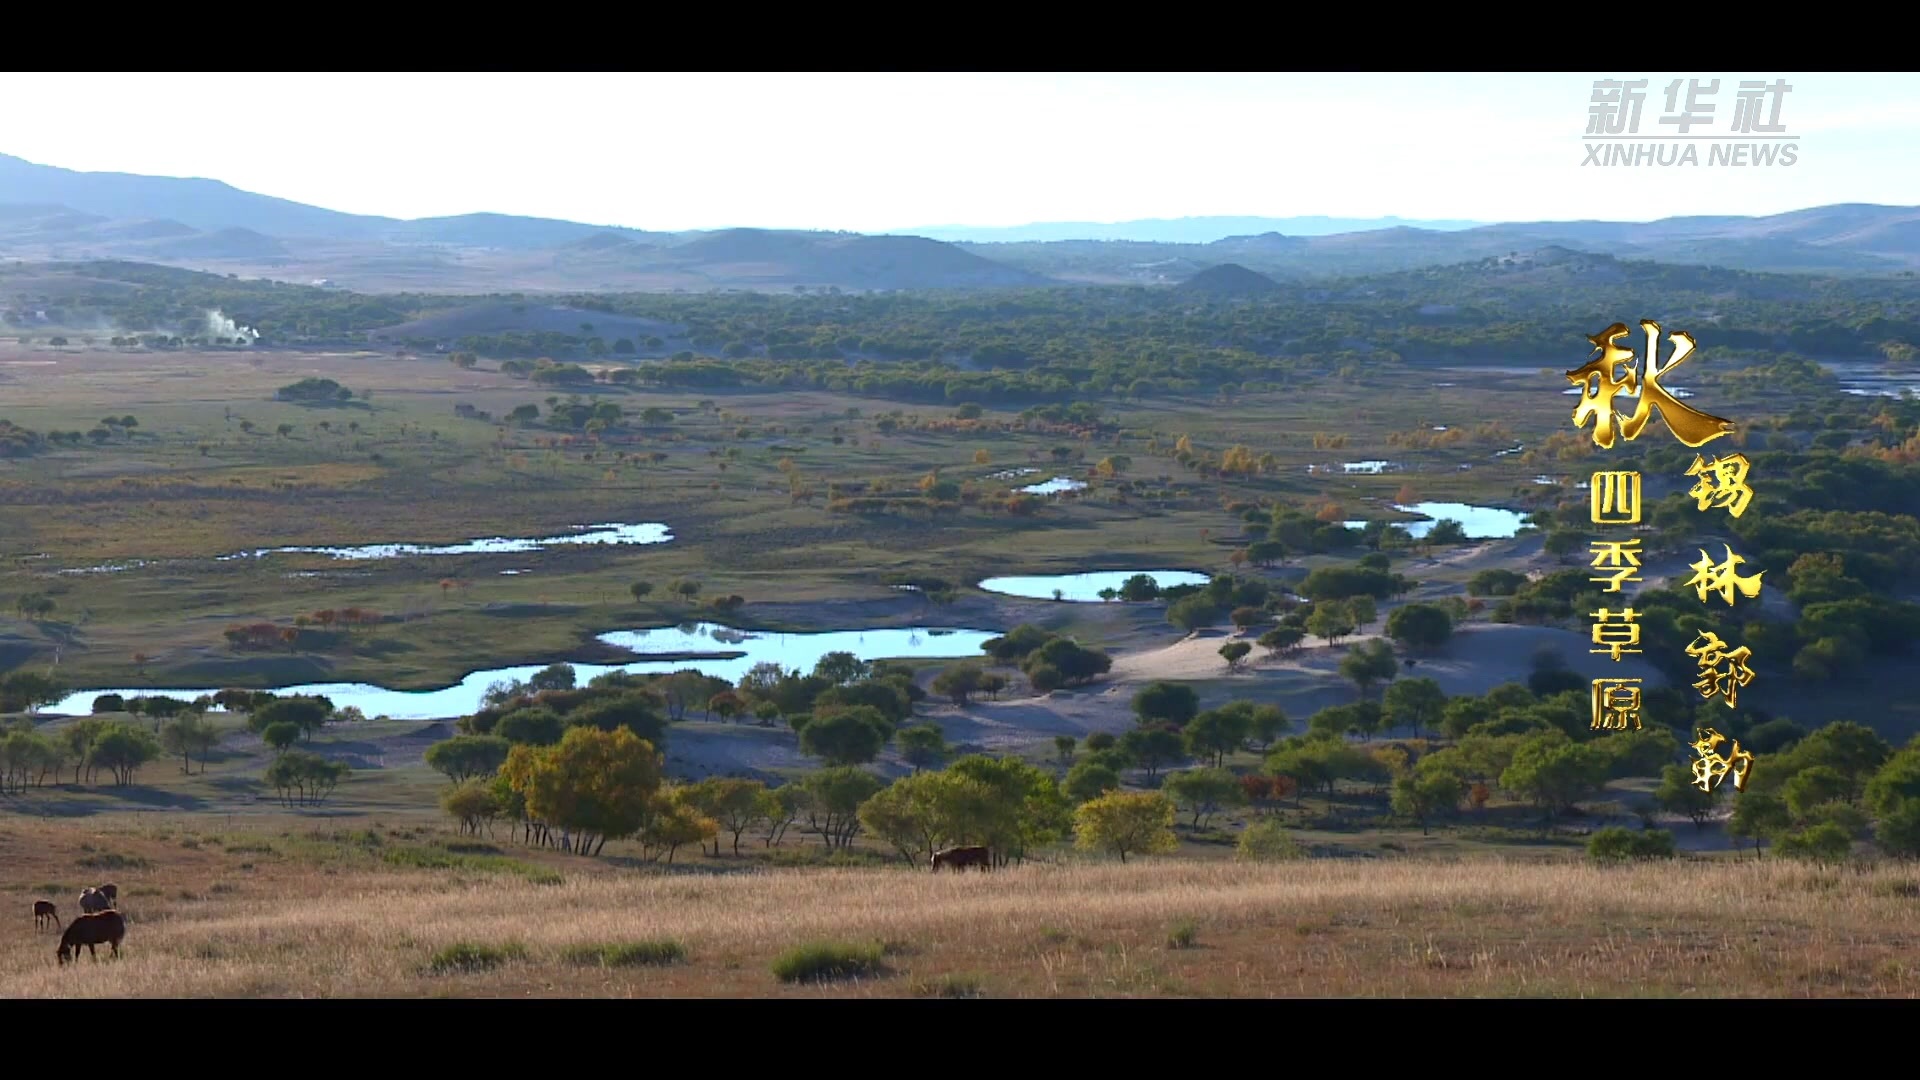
[888, 152]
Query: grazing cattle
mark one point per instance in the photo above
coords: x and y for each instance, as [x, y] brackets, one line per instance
[91, 902]
[105, 927]
[962, 857]
[44, 912]
[111, 892]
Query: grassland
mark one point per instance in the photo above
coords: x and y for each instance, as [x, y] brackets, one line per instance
[372, 894]
[287, 909]
[189, 485]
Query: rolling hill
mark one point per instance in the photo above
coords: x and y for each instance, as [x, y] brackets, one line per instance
[55, 214]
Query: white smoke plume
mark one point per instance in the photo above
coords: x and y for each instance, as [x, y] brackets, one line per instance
[221, 328]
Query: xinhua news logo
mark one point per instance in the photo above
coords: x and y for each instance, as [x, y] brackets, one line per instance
[1754, 135]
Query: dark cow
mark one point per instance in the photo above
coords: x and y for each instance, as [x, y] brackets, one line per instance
[960, 858]
[98, 928]
[44, 912]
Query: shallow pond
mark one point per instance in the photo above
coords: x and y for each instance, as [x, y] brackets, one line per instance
[1084, 588]
[1481, 522]
[651, 532]
[1351, 467]
[728, 654]
[1867, 379]
[1055, 486]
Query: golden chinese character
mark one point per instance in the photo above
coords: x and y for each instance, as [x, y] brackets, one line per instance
[1598, 388]
[1723, 578]
[1712, 767]
[1615, 498]
[1621, 556]
[1616, 704]
[1616, 638]
[1723, 483]
[1711, 653]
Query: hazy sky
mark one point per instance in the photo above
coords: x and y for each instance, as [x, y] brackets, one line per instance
[878, 152]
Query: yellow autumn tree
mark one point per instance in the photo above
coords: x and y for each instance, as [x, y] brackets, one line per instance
[981, 457]
[1238, 460]
[596, 785]
[1123, 823]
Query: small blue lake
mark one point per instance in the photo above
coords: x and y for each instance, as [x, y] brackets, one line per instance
[1084, 588]
[724, 653]
[1481, 522]
[651, 532]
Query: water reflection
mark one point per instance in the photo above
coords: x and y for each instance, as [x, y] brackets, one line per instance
[1084, 588]
[651, 532]
[719, 651]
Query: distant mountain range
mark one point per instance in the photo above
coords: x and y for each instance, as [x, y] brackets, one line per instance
[1187, 230]
[54, 214]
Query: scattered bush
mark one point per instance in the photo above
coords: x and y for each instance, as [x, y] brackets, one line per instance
[821, 960]
[626, 954]
[1615, 844]
[465, 957]
[1268, 841]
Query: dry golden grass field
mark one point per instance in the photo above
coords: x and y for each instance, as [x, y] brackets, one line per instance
[283, 909]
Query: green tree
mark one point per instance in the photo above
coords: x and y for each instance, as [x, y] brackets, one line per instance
[830, 800]
[1219, 732]
[189, 735]
[923, 745]
[1369, 663]
[640, 590]
[923, 813]
[840, 667]
[305, 779]
[853, 737]
[1898, 830]
[1420, 626]
[281, 735]
[1425, 794]
[537, 726]
[1554, 773]
[472, 804]
[122, 749]
[1896, 782]
[1414, 703]
[1677, 794]
[307, 714]
[1758, 816]
[1815, 787]
[1331, 620]
[1822, 843]
[1063, 747]
[1205, 792]
[1233, 652]
[1282, 638]
[1124, 823]
[1089, 780]
[735, 805]
[1166, 703]
[466, 757]
[959, 682]
[1152, 748]
[1027, 807]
